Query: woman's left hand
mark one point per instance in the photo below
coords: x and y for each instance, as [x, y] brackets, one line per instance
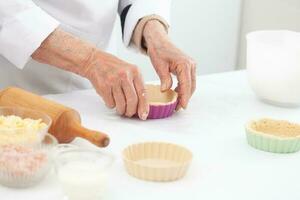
[167, 59]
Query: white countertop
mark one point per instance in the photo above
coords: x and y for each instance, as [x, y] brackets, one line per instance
[224, 166]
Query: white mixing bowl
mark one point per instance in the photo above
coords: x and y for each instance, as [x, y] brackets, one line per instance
[273, 65]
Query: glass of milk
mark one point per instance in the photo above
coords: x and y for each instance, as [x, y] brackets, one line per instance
[273, 65]
[83, 173]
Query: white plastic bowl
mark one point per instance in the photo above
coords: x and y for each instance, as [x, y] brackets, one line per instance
[273, 65]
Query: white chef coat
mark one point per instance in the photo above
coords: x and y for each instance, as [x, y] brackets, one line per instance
[24, 24]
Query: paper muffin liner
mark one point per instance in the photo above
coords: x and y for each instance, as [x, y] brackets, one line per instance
[162, 104]
[272, 143]
[157, 161]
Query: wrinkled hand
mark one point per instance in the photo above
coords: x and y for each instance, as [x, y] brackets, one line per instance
[120, 84]
[168, 59]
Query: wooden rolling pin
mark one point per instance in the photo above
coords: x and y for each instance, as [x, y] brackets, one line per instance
[66, 122]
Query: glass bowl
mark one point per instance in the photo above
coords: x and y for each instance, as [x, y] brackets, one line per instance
[83, 173]
[23, 166]
[22, 135]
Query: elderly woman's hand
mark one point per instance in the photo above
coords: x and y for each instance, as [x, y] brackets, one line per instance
[119, 83]
[167, 59]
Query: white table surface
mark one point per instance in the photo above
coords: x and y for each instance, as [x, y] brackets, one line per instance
[224, 166]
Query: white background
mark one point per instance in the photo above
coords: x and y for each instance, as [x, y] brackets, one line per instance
[268, 14]
[213, 31]
[207, 30]
[224, 166]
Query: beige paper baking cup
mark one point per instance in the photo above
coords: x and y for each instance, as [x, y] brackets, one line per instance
[277, 136]
[157, 161]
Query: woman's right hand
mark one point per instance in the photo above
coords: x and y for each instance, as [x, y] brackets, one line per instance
[119, 83]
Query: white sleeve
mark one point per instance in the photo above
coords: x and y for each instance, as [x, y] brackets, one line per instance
[23, 27]
[140, 9]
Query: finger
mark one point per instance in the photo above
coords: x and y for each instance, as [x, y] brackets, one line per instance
[119, 99]
[193, 75]
[178, 106]
[106, 94]
[109, 100]
[184, 85]
[131, 98]
[143, 105]
[165, 77]
[166, 81]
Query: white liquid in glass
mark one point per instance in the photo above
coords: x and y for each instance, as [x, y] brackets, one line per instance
[82, 180]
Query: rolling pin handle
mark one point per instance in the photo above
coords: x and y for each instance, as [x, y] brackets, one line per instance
[95, 137]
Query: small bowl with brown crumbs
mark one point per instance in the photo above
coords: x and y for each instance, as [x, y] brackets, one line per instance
[277, 136]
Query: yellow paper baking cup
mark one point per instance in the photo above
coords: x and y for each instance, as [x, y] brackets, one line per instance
[157, 161]
[277, 136]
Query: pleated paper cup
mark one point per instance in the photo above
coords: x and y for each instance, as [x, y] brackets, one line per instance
[162, 104]
[157, 161]
[277, 136]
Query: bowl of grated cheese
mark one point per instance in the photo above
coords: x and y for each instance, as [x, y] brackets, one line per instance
[22, 126]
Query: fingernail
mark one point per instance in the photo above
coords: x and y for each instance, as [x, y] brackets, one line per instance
[144, 116]
[184, 107]
[109, 105]
[164, 86]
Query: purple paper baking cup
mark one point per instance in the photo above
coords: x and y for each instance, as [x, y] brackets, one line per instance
[161, 111]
